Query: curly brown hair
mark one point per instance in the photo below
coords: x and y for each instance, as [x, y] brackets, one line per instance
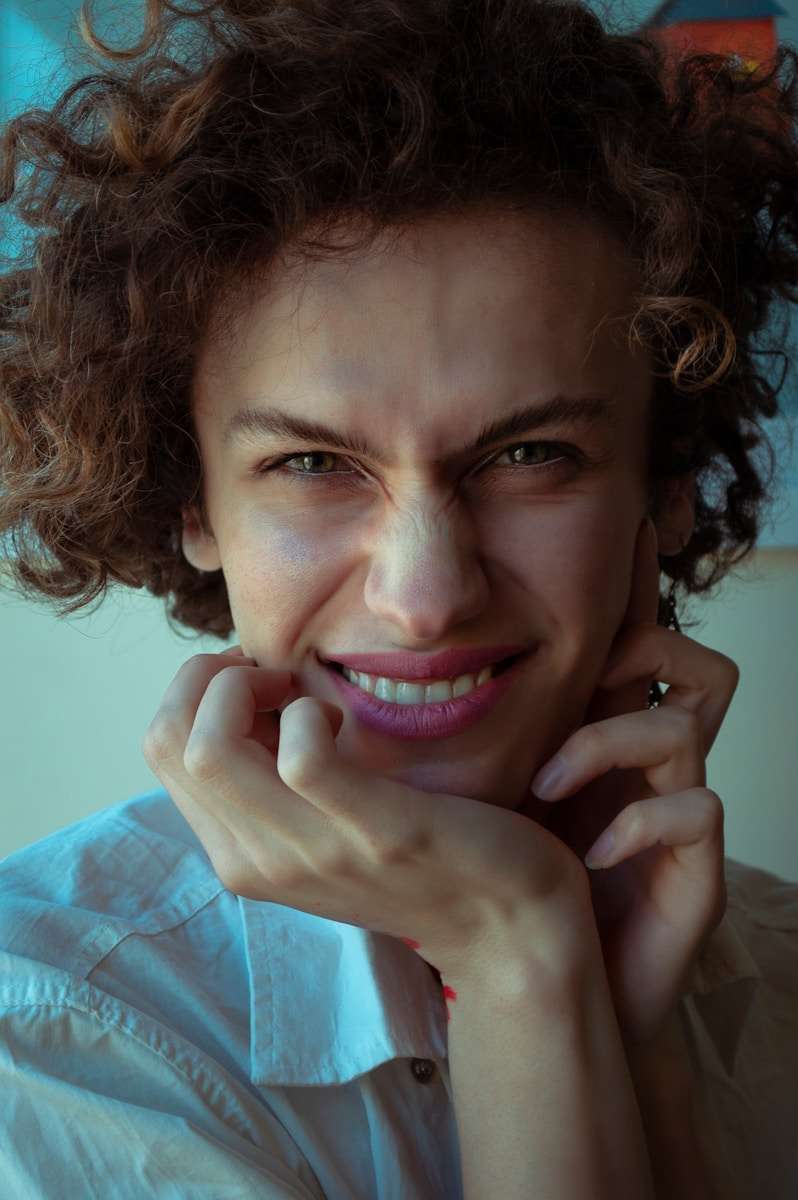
[163, 190]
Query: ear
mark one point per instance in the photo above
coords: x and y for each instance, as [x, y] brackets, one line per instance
[674, 514]
[199, 546]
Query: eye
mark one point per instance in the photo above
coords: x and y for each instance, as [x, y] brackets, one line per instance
[299, 456]
[570, 454]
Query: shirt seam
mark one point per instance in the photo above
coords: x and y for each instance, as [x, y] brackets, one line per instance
[242, 1125]
[94, 964]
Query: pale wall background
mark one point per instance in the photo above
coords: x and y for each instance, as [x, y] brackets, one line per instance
[77, 694]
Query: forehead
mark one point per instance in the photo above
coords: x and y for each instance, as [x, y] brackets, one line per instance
[478, 305]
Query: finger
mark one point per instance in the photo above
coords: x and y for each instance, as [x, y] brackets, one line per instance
[388, 821]
[170, 732]
[643, 604]
[229, 782]
[272, 838]
[225, 713]
[700, 680]
[308, 762]
[164, 745]
[641, 611]
[685, 882]
[171, 725]
[665, 745]
[689, 822]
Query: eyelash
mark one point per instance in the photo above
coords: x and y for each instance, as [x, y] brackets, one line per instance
[571, 452]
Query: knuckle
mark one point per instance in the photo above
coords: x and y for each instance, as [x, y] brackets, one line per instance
[336, 863]
[301, 771]
[222, 678]
[686, 722]
[387, 854]
[203, 757]
[199, 666]
[279, 879]
[161, 738]
[632, 821]
[732, 669]
[397, 852]
[236, 871]
[588, 741]
[230, 670]
[714, 806]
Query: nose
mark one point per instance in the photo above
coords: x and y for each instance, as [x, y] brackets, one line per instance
[425, 575]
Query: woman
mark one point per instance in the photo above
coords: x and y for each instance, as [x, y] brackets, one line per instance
[405, 341]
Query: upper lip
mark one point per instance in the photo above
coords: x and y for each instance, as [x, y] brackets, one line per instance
[446, 664]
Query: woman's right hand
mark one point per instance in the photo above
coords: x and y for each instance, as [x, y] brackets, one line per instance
[284, 818]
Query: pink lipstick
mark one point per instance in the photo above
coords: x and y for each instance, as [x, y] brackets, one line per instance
[445, 719]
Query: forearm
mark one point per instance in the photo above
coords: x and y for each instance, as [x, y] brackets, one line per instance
[544, 1100]
[668, 1102]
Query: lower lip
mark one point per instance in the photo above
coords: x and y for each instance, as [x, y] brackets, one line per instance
[420, 721]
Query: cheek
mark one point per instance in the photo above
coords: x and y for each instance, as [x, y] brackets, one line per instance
[273, 572]
[590, 557]
[576, 556]
[579, 575]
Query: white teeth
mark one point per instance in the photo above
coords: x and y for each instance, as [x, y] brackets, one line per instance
[399, 692]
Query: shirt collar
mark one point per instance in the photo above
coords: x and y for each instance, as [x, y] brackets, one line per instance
[330, 1001]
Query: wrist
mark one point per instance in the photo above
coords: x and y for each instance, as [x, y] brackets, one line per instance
[661, 1069]
[550, 953]
[669, 1106]
[530, 1049]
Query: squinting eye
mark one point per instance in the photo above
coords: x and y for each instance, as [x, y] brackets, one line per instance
[571, 454]
[299, 454]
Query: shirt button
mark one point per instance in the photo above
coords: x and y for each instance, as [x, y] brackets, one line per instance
[423, 1069]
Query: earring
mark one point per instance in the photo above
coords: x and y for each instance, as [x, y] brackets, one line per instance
[655, 692]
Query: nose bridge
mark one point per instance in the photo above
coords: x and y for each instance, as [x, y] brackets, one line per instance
[425, 573]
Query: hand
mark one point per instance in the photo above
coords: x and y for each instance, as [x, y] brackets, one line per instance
[284, 818]
[641, 774]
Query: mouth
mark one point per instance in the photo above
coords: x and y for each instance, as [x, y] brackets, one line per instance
[436, 718]
[497, 668]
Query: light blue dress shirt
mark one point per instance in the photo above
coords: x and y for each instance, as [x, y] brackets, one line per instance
[161, 1037]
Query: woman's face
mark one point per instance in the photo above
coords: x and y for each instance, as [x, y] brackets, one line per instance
[418, 544]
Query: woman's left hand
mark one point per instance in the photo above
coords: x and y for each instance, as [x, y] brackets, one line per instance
[660, 890]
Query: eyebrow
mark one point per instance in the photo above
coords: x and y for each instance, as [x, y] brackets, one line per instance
[252, 425]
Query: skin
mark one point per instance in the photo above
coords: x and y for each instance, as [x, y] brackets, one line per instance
[417, 346]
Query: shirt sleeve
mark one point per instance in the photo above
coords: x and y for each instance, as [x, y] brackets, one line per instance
[91, 1109]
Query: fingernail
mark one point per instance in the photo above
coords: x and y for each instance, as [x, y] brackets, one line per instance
[601, 850]
[545, 783]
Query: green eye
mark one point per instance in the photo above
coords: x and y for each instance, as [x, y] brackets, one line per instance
[569, 454]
